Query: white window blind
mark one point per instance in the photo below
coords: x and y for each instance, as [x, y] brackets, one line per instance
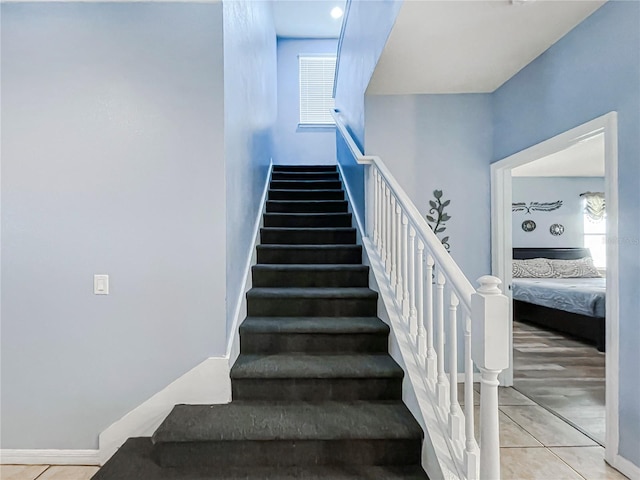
[316, 89]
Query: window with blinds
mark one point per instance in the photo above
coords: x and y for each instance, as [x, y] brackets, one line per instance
[316, 89]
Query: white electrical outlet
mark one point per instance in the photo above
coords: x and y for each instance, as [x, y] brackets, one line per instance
[101, 284]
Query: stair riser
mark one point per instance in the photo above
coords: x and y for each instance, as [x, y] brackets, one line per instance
[344, 255]
[331, 220]
[312, 343]
[307, 237]
[289, 452]
[306, 185]
[309, 278]
[317, 389]
[305, 176]
[311, 307]
[307, 207]
[306, 195]
[305, 168]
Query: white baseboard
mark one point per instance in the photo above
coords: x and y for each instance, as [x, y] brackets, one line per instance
[233, 345]
[49, 457]
[625, 467]
[207, 383]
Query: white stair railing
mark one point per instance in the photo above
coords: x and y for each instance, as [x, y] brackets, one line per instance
[432, 296]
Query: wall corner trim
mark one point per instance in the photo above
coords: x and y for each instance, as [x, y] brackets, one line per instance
[206, 383]
[49, 457]
[626, 467]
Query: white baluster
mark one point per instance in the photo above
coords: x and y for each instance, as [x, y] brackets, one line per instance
[431, 352]
[374, 172]
[405, 275]
[455, 414]
[441, 387]
[394, 240]
[380, 206]
[490, 352]
[419, 292]
[387, 240]
[413, 314]
[399, 266]
[471, 452]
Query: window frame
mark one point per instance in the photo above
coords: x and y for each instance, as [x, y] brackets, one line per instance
[326, 84]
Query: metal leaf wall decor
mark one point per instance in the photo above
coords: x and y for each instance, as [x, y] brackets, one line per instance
[536, 206]
[437, 217]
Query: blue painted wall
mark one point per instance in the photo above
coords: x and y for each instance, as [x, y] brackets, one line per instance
[112, 161]
[250, 111]
[294, 145]
[365, 31]
[570, 214]
[442, 142]
[591, 71]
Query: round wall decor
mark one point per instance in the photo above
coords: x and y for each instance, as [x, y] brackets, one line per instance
[556, 229]
[528, 225]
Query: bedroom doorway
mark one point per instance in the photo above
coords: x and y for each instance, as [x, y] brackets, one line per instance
[509, 172]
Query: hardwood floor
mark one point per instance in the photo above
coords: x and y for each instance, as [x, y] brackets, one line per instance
[563, 375]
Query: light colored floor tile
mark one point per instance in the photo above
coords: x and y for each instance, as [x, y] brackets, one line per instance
[546, 427]
[533, 464]
[68, 473]
[476, 395]
[511, 434]
[509, 396]
[588, 462]
[21, 472]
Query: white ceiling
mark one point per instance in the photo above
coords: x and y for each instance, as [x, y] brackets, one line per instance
[307, 18]
[445, 46]
[584, 159]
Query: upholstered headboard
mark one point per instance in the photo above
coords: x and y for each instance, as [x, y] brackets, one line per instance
[558, 253]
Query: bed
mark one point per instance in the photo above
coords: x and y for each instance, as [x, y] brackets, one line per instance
[575, 306]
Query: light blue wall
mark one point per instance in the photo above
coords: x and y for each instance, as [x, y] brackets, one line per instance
[593, 70]
[440, 142]
[294, 146]
[112, 161]
[570, 214]
[367, 26]
[250, 110]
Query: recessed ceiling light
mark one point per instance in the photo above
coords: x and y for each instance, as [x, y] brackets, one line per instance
[336, 12]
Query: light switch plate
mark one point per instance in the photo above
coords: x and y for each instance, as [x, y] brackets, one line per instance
[101, 284]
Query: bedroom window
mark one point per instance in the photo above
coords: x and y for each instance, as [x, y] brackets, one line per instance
[316, 89]
[595, 227]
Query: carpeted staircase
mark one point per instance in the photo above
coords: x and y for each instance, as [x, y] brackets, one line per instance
[315, 394]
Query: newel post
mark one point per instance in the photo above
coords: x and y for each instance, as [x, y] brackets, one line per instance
[490, 353]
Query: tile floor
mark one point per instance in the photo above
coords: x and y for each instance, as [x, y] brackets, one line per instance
[565, 376]
[46, 472]
[536, 444]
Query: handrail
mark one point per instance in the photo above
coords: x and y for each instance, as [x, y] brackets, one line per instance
[460, 282]
[412, 265]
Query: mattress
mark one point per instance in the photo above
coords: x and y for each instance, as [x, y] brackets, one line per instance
[584, 296]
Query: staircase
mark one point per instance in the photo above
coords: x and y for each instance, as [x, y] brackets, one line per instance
[315, 393]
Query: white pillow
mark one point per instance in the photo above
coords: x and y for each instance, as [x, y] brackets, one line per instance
[532, 268]
[578, 268]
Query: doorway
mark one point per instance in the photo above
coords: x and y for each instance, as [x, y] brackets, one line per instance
[502, 181]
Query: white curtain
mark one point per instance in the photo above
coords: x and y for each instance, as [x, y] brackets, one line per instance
[594, 205]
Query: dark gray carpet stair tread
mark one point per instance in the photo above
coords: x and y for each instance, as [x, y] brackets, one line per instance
[305, 175]
[294, 230]
[278, 194]
[324, 325]
[316, 366]
[316, 267]
[302, 206]
[305, 168]
[133, 462]
[263, 421]
[312, 293]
